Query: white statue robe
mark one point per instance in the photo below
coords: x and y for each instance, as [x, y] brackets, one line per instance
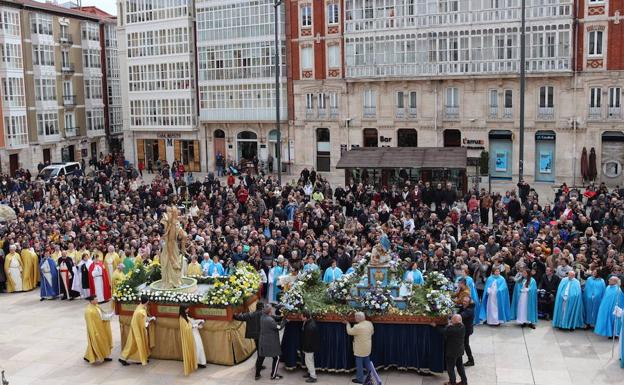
[492, 305]
[15, 270]
[98, 283]
[199, 345]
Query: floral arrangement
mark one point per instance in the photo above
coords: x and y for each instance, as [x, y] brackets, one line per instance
[435, 280]
[340, 289]
[240, 285]
[292, 299]
[378, 300]
[439, 302]
[310, 277]
[171, 297]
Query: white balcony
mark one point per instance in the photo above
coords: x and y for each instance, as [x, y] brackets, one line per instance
[334, 112]
[507, 113]
[545, 113]
[400, 113]
[17, 141]
[411, 111]
[493, 113]
[322, 113]
[451, 112]
[615, 113]
[310, 113]
[370, 111]
[71, 132]
[595, 113]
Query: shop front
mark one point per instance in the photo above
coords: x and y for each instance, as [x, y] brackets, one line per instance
[612, 158]
[169, 147]
[501, 151]
[385, 166]
[545, 156]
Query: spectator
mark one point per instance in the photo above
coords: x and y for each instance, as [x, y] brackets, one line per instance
[309, 345]
[362, 334]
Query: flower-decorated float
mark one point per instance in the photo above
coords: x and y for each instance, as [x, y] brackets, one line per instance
[213, 299]
[401, 311]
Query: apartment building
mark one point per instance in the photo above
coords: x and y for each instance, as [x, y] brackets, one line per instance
[52, 88]
[236, 79]
[156, 46]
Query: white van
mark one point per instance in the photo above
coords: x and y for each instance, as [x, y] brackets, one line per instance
[56, 170]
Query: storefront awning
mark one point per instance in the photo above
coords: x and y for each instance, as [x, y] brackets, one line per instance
[404, 157]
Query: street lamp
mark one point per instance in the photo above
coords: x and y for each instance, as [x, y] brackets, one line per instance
[276, 5]
[522, 90]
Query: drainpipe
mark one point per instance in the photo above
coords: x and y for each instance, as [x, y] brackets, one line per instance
[575, 80]
[435, 114]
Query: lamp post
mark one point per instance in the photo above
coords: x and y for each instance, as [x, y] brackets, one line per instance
[276, 5]
[522, 89]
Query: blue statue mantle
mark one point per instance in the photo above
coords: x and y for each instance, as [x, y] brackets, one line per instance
[377, 276]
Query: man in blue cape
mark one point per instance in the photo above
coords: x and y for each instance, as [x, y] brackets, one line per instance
[332, 273]
[524, 304]
[592, 296]
[568, 313]
[607, 324]
[495, 302]
[49, 278]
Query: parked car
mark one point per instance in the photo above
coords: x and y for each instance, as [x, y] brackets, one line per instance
[56, 170]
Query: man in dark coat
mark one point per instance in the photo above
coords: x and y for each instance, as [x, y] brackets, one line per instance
[467, 313]
[309, 345]
[269, 343]
[550, 284]
[252, 325]
[454, 334]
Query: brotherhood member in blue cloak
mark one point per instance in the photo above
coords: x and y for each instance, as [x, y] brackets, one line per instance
[414, 276]
[274, 274]
[332, 273]
[592, 296]
[524, 303]
[495, 302]
[473, 291]
[607, 324]
[49, 278]
[619, 313]
[310, 265]
[568, 313]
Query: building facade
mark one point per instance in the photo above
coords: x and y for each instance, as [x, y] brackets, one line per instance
[156, 45]
[52, 89]
[236, 80]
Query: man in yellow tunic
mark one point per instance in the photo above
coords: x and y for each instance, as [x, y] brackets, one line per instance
[97, 254]
[189, 358]
[14, 270]
[99, 334]
[194, 268]
[118, 277]
[137, 348]
[111, 260]
[30, 263]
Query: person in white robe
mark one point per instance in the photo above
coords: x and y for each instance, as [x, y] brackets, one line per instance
[80, 283]
[199, 345]
[15, 268]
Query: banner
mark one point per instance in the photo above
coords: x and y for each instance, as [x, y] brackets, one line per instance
[501, 161]
[545, 163]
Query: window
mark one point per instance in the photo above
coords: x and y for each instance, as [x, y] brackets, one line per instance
[370, 137]
[13, 91]
[333, 13]
[306, 16]
[333, 53]
[615, 95]
[546, 97]
[595, 43]
[93, 88]
[16, 131]
[43, 55]
[307, 58]
[508, 111]
[595, 102]
[47, 124]
[333, 104]
[70, 120]
[400, 100]
[407, 137]
[546, 102]
[370, 103]
[10, 23]
[322, 102]
[45, 89]
[412, 100]
[452, 102]
[323, 150]
[493, 103]
[41, 23]
[95, 120]
[309, 102]
[92, 58]
[11, 55]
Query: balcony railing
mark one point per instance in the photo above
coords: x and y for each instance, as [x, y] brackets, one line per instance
[411, 111]
[309, 113]
[546, 113]
[615, 113]
[69, 100]
[595, 113]
[68, 69]
[370, 112]
[19, 140]
[322, 112]
[400, 112]
[71, 131]
[493, 114]
[66, 40]
[333, 112]
[451, 112]
[507, 113]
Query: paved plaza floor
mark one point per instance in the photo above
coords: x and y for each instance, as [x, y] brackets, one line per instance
[43, 343]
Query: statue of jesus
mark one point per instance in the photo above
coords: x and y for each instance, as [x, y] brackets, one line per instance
[170, 256]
